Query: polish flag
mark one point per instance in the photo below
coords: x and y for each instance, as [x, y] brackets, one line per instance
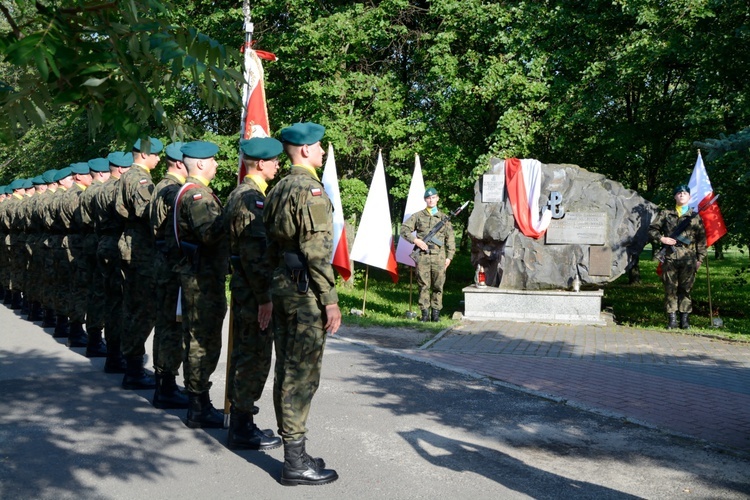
[701, 193]
[340, 256]
[523, 180]
[414, 203]
[254, 111]
[373, 244]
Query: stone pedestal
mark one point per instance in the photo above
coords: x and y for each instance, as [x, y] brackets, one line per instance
[547, 306]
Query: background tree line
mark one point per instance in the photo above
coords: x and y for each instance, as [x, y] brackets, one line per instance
[627, 88]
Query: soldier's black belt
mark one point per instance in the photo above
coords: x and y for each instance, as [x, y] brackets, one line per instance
[297, 266]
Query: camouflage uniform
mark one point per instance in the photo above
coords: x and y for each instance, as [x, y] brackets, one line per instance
[203, 280]
[56, 258]
[72, 244]
[431, 264]
[35, 243]
[137, 250]
[298, 220]
[89, 276]
[680, 264]
[168, 342]
[251, 282]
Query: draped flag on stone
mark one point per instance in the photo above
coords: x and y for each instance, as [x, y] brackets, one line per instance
[701, 193]
[414, 203]
[523, 181]
[254, 112]
[340, 257]
[373, 244]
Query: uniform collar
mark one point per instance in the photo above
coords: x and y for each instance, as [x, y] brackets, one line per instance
[260, 181]
[309, 169]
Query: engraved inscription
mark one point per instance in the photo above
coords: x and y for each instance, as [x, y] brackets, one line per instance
[493, 188]
[600, 261]
[578, 228]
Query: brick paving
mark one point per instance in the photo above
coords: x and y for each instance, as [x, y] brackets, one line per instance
[677, 382]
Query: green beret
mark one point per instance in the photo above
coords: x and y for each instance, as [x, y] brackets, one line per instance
[16, 184]
[80, 168]
[49, 176]
[156, 146]
[430, 191]
[173, 151]
[98, 165]
[8, 190]
[303, 133]
[199, 150]
[261, 148]
[120, 159]
[682, 187]
[27, 184]
[38, 181]
[63, 173]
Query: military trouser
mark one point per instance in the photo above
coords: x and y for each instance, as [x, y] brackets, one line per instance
[19, 261]
[678, 276]
[139, 306]
[169, 347]
[77, 275]
[299, 340]
[93, 281]
[5, 261]
[204, 306]
[251, 351]
[35, 267]
[52, 256]
[431, 279]
[109, 267]
[63, 297]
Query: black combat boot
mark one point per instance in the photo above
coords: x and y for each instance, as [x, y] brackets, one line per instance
[62, 327]
[115, 360]
[301, 468]
[8, 297]
[96, 348]
[167, 395]
[25, 305]
[136, 377]
[436, 315]
[684, 323]
[245, 435]
[77, 336]
[672, 321]
[17, 301]
[202, 414]
[34, 309]
[49, 318]
[425, 316]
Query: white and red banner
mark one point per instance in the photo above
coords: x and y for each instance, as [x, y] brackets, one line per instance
[340, 257]
[254, 112]
[523, 181]
[701, 193]
[373, 244]
[414, 203]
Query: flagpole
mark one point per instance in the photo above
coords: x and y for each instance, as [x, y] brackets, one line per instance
[364, 298]
[710, 306]
[411, 285]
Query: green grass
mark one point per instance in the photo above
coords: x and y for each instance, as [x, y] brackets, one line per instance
[639, 305]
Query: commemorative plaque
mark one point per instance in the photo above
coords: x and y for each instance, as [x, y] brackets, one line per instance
[493, 188]
[578, 228]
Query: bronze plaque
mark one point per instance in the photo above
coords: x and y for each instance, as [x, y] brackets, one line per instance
[600, 261]
[578, 228]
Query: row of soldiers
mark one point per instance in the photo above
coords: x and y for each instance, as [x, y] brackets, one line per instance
[98, 243]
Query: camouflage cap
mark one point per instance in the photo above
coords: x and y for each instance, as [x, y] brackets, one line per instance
[120, 159]
[430, 192]
[156, 146]
[300, 134]
[98, 165]
[199, 150]
[261, 148]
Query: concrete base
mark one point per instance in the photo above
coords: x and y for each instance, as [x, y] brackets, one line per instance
[546, 306]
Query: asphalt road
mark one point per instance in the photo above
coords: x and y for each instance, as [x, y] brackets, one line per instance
[392, 427]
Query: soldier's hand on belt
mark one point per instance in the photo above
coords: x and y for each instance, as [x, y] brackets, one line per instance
[421, 244]
[264, 314]
[333, 318]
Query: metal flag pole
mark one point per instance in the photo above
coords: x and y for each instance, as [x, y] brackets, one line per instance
[364, 297]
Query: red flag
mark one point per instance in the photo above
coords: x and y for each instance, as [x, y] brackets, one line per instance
[373, 244]
[254, 111]
[523, 179]
[701, 193]
[340, 258]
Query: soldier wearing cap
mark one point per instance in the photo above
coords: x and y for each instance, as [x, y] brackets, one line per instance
[34, 247]
[435, 256]
[298, 216]
[168, 342]
[46, 254]
[88, 275]
[18, 239]
[109, 226]
[137, 250]
[4, 234]
[251, 296]
[203, 269]
[687, 251]
[57, 256]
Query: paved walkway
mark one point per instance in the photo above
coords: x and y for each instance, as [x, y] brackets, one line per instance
[681, 383]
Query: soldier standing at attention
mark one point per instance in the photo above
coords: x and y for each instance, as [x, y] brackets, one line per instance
[137, 250]
[251, 296]
[435, 256]
[299, 223]
[109, 227]
[203, 271]
[688, 250]
[168, 342]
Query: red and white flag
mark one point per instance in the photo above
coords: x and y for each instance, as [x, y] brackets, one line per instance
[414, 203]
[701, 193]
[523, 181]
[340, 257]
[373, 244]
[254, 112]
